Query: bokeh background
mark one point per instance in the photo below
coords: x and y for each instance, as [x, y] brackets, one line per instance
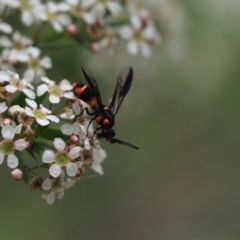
[183, 111]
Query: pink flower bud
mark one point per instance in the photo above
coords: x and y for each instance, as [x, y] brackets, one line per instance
[17, 174]
[7, 121]
[72, 29]
[74, 138]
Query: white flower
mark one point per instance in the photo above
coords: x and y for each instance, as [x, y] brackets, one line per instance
[80, 9]
[101, 7]
[3, 107]
[42, 115]
[5, 27]
[141, 35]
[8, 146]
[76, 129]
[17, 47]
[52, 12]
[56, 186]
[98, 157]
[28, 9]
[62, 158]
[36, 66]
[16, 84]
[63, 89]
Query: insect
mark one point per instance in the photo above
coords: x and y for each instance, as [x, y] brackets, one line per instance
[104, 115]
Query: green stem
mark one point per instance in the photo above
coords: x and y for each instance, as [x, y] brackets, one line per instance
[36, 34]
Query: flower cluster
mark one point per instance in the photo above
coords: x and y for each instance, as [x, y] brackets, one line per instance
[91, 23]
[56, 136]
[29, 141]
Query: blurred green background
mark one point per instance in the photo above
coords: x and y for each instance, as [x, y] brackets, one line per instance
[183, 111]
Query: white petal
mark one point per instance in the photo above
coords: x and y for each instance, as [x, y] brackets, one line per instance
[98, 169]
[50, 198]
[18, 129]
[71, 169]
[45, 110]
[4, 76]
[20, 144]
[5, 42]
[66, 129]
[8, 132]
[76, 128]
[114, 7]
[42, 89]
[87, 144]
[31, 103]
[132, 47]
[58, 27]
[47, 184]
[47, 80]
[3, 107]
[53, 118]
[29, 111]
[29, 93]
[48, 156]
[99, 155]
[89, 18]
[64, 19]
[136, 22]
[59, 144]
[10, 88]
[54, 99]
[1, 158]
[22, 56]
[55, 170]
[34, 51]
[74, 152]
[126, 32]
[42, 122]
[12, 161]
[29, 75]
[5, 27]
[27, 18]
[145, 49]
[69, 95]
[46, 62]
[65, 85]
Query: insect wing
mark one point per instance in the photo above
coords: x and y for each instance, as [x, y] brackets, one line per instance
[114, 140]
[124, 81]
[92, 84]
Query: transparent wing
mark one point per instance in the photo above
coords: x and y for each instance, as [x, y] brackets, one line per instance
[92, 83]
[124, 81]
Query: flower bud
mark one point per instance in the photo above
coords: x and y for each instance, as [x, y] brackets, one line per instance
[17, 174]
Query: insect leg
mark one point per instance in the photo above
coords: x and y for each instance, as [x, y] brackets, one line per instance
[87, 111]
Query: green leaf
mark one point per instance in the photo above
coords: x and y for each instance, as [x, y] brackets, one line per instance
[53, 37]
[22, 165]
[118, 22]
[52, 133]
[46, 143]
[31, 153]
[19, 99]
[39, 100]
[40, 130]
[38, 148]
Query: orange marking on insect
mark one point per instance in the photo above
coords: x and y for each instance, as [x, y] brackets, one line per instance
[92, 102]
[106, 122]
[79, 90]
[106, 108]
[98, 119]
